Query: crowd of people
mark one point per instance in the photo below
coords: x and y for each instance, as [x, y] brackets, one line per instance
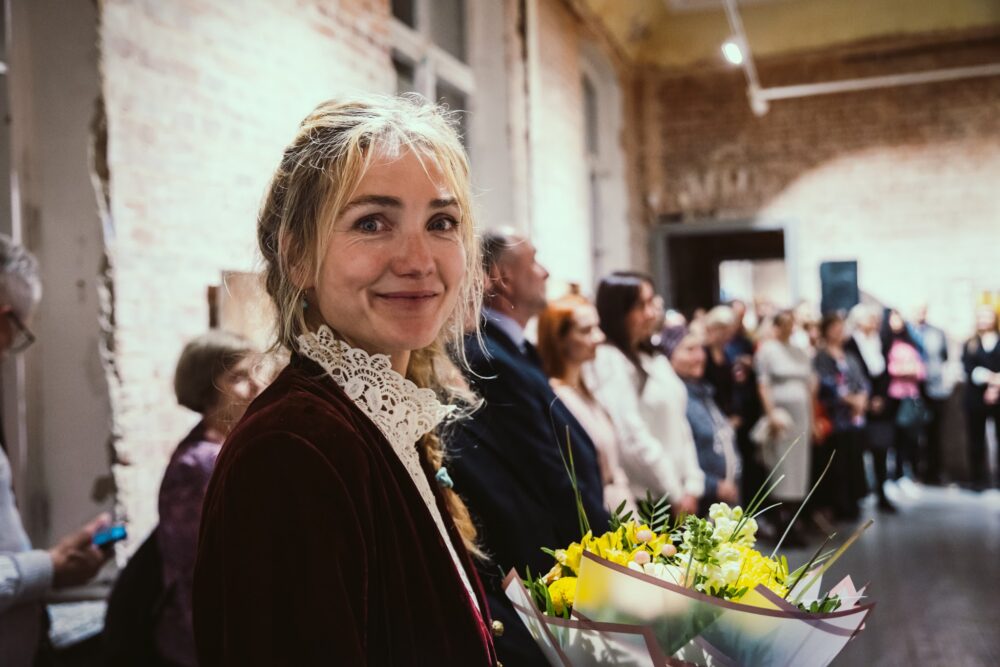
[364, 504]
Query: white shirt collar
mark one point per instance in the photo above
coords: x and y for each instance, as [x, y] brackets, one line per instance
[508, 325]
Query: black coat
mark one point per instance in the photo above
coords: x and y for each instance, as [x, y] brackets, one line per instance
[973, 356]
[506, 465]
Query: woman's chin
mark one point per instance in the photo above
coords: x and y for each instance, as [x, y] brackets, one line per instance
[404, 339]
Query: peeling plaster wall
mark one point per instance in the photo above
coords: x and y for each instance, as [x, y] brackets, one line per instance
[68, 423]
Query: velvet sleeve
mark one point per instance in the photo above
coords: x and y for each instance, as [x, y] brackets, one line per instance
[284, 569]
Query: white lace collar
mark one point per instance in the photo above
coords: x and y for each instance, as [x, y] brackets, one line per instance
[403, 411]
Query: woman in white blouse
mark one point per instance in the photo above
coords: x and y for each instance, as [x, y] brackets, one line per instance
[646, 400]
[569, 334]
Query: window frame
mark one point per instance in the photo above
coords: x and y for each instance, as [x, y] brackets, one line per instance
[431, 62]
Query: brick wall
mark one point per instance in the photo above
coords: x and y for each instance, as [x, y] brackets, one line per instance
[201, 98]
[902, 179]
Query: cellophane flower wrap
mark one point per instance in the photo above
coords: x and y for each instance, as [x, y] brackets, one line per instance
[696, 593]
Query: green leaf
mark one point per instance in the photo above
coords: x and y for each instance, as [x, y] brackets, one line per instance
[618, 519]
[655, 513]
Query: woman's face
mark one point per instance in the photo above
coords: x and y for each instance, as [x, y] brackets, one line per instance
[784, 325]
[642, 318]
[986, 319]
[237, 387]
[395, 262]
[688, 358]
[583, 337]
[869, 324]
[896, 322]
[835, 333]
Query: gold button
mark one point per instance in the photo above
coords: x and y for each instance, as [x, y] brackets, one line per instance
[498, 632]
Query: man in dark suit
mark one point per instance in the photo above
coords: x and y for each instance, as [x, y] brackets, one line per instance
[507, 461]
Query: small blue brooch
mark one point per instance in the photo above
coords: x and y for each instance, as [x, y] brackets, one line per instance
[443, 478]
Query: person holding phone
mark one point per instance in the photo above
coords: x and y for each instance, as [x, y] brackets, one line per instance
[330, 534]
[27, 575]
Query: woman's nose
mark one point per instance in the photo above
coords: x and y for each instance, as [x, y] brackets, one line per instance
[413, 256]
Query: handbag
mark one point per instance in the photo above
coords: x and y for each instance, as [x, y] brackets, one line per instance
[822, 425]
[912, 414]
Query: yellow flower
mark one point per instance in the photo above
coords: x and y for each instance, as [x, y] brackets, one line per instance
[757, 569]
[563, 593]
[609, 546]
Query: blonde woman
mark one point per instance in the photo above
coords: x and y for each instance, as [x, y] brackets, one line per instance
[329, 535]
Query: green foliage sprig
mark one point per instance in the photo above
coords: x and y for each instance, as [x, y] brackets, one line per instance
[655, 513]
[828, 604]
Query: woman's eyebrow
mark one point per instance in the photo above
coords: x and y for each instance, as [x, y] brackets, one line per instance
[380, 200]
[444, 202]
[395, 202]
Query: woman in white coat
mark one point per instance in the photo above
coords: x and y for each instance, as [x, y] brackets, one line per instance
[646, 400]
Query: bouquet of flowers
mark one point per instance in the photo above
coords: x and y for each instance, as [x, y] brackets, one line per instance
[687, 591]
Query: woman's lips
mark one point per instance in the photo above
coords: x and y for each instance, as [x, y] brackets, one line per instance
[409, 295]
[410, 300]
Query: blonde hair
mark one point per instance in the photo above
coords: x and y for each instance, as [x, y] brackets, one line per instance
[321, 168]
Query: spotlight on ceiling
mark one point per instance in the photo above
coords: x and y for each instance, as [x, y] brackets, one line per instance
[732, 52]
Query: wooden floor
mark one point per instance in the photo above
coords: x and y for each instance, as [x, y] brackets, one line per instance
[935, 574]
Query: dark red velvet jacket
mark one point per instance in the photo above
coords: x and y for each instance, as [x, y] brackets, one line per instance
[316, 548]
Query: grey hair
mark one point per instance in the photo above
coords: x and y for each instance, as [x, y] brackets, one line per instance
[495, 243]
[20, 286]
[861, 312]
[720, 316]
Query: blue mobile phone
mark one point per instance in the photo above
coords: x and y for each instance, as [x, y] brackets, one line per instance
[114, 533]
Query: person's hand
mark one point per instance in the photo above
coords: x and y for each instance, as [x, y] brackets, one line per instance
[739, 373]
[775, 423]
[877, 405]
[992, 395]
[735, 421]
[727, 492]
[75, 559]
[688, 504]
[818, 432]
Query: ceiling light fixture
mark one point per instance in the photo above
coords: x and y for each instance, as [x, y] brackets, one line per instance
[732, 52]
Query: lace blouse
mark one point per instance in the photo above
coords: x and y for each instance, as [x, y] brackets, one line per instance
[401, 410]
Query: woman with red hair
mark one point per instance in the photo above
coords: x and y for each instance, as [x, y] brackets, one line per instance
[568, 336]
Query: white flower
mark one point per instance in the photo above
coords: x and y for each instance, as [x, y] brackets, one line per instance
[726, 520]
[669, 573]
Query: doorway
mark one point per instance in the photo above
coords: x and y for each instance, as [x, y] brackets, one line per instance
[698, 265]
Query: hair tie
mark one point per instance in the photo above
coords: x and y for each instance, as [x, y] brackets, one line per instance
[443, 478]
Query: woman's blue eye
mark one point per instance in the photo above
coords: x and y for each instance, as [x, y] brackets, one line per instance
[442, 224]
[369, 225]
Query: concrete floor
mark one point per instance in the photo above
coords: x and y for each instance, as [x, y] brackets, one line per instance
[934, 570]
